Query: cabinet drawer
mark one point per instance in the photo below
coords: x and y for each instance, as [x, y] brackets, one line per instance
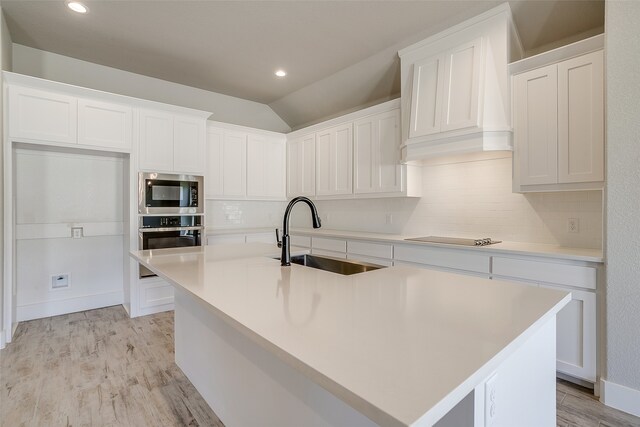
[336, 245]
[301, 241]
[548, 272]
[370, 249]
[333, 254]
[456, 259]
[370, 260]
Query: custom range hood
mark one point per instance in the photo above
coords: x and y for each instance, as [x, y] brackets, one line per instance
[455, 88]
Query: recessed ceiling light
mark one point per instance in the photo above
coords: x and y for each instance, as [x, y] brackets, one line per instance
[281, 73]
[76, 6]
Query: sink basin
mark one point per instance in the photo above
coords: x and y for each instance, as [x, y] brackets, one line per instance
[334, 265]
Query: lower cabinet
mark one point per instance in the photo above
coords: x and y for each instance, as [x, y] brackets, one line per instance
[576, 334]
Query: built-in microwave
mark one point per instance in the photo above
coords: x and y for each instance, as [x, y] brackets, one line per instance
[160, 193]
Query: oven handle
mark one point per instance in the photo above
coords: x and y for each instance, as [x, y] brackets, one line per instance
[161, 229]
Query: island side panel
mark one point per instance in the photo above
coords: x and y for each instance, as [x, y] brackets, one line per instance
[245, 384]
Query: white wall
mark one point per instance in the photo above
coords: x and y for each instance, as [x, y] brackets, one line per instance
[472, 198]
[228, 109]
[55, 191]
[622, 62]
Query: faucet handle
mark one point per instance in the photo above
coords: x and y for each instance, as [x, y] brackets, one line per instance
[278, 241]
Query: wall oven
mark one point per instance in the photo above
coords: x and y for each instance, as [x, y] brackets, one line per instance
[160, 232]
[160, 193]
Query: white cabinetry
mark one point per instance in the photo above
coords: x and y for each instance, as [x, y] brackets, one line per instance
[244, 164]
[54, 118]
[301, 166]
[454, 88]
[170, 143]
[265, 168]
[559, 121]
[376, 146]
[445, 91]
[353, 156]
[104, 124]
[334, 164]
[576, 323]
[44, 116]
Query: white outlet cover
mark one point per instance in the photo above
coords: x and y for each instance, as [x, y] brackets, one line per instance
[490, 402]
[60, 281]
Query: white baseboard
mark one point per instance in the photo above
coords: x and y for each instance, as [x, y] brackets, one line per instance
[2, 339]
[620, 397]
[71, 305]
[155, 309]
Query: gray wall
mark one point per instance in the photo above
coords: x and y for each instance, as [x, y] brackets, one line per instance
[622, 193]
[5, 64]
[228, 109]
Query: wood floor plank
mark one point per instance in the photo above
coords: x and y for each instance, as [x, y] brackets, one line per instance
[101, 368]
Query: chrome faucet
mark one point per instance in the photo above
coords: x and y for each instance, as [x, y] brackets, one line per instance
[285, 258]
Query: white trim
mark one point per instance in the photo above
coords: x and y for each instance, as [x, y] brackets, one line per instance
[213, 125]
[503, 8]
[572, 50]
[365, 112]
[469, 143]
[71, 305]
[2, 340]
[82, 92]
[620, 397]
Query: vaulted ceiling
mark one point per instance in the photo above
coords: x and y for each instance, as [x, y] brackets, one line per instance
[339, 55]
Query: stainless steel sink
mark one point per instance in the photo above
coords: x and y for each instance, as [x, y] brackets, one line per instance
[334, 265]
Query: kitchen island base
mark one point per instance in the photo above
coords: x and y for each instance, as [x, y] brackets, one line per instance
[247, 382]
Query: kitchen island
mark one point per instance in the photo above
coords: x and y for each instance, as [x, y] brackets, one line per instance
[398, 346]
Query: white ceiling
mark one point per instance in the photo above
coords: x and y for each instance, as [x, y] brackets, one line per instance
[234, 47]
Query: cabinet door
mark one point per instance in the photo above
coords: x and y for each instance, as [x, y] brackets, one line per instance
[576, 335]
[426, 96]
[256, 167]
[234, 161]
[189, 145]
[581, 119]
[214, 176]
[103, 124]
[275, 169]
[301, 166]
[40, 115]
[376, 147]
[334, 150]
[535, 127]
[156, 141]
[460, 96]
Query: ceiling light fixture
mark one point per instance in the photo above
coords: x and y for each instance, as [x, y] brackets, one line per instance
[76, 6]
[281, 73]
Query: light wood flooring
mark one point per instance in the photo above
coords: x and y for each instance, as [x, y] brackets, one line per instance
[101, 368]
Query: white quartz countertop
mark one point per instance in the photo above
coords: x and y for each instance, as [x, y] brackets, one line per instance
[515, 248]
[401, 345]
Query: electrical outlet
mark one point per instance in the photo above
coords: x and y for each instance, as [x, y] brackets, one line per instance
[490, 402]
[60, 281]
[76, 232]
[573, 225]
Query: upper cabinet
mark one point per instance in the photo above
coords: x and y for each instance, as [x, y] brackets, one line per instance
[244, 164]
[353, 156]
[167, 138]
[104, 124]
[40, 115]
[376, 148]
[334, 168]
[171, 143]
[44, 117]
[301, 166]
[558, 102]
[454, 88]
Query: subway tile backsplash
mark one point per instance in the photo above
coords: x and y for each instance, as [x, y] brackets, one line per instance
[470, 198]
